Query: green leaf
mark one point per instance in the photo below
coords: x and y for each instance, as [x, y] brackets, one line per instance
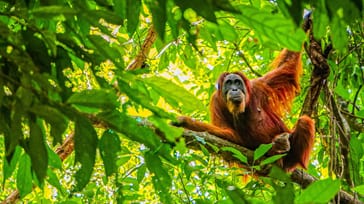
[161, 180]
[228, 31]
[55, 118]
[285, 192]
[321, 191]
[236, 153]
[171, 132]
[122, 159]
[321, 20]
[188, 57]
[38, 151]
[159, 15]
[203, 8]
[272, 159]
[275, 27]
[54, 181]
[85, 150]
[16, 133]
[122, 123]
[120, 8]
[175, 95]
[210, 33]
[131, 85]
[173, 17]
[105, 49]
[109, 146]
[339, 33]
[204, 150]
[341, 90]
[261, 151]
[110, 17]
[53, 159]
[9, 167]
[356, 154]
[132, 14]
[295, 10]
[50, 39]
[103, 99]
[359, 189]
[37, 50]
[235, 194]
[24, 176]
[54, 10]
[278, 173]
[224, 5]
[141, 173]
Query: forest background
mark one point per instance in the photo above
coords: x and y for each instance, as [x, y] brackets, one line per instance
[89, 87]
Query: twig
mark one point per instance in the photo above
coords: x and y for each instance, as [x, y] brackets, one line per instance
[144, 50]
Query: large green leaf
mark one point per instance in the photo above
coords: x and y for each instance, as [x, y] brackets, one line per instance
[203, 8]
[275, 27]
[54, 181]
[130, 128]
[110, 17]
[37, 50]
[16, 133]
[24, 176]
[109, 146]
[53, 10]
[120, 8]
[272, 159]
[138, 92]
[284, 191]
[321, 20]
[132, 14]
[141, 172]
[294, 8]
[234, 193]
[174, 94]
[161, 180]
[356, 154]
[171, 133]
[85, 150]
[159, 15]
[37, 151]
[188, 57]
[53, 159]
[9, 167]
[236, 153]
[321, 191]
[55, 118]
[339, 34]
[261, 150]
[101, 98]
[105, 49]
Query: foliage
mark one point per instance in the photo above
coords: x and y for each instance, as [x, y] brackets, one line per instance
[63, 72]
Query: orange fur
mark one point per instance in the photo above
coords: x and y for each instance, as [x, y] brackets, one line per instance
[267, 98]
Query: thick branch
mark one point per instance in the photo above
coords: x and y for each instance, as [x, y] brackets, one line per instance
[298, 176]
[144, 50]
[318, 78]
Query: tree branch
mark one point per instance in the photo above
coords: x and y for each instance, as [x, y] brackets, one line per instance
[319, 74]
[144, 50]
[298, 176]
